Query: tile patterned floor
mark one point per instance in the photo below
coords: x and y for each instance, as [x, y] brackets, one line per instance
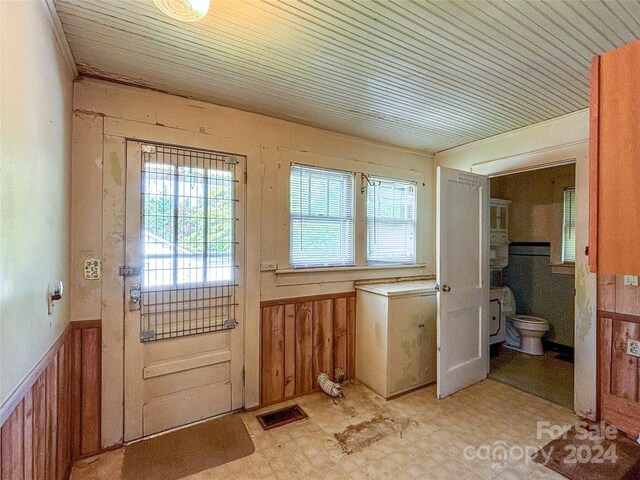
[413, 437]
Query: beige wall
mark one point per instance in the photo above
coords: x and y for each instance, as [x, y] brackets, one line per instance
[35, 156]
[563, 139]
[536, 209]
[107, 113]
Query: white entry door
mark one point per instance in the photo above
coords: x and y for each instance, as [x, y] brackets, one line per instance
[184, 289]
[462, 270]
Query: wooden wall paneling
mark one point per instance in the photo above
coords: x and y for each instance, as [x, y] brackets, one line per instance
[27, 435]
[322, 338]
[627, 298]
[63, 457]
[604, 357]
[76, 392]
[272, 384]
[91, 391]
[351, 337]
[12, 445]
[57, 417]
[304, 348]
[51, 408]
[624, 368]
[340, 334]
[39, 427]
[301, 337]
[289, 350]
[594, 134]
[607, 292]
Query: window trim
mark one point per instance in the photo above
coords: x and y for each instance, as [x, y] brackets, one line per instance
[353, 220]
[562, 238]
[276, 195]
[367, 181]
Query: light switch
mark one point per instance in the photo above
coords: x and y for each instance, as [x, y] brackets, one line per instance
[92, 269]
[631, 280]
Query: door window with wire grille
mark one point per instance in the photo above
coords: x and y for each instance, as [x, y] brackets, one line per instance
[188, 223]
[391, 221]
[321, 202]
[569, 226]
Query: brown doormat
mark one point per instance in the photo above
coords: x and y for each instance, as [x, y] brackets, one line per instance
[596, 455]
[280, 417]
[187, 451]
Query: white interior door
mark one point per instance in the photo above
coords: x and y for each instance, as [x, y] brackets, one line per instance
[184, 297]
[462, 266]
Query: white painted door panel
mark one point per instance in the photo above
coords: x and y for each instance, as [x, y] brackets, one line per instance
[191, 369]
[463, 279]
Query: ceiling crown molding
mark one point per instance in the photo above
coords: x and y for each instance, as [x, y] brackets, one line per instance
[61, 38]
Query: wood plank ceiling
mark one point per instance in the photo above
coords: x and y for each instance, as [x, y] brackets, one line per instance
[421, 74]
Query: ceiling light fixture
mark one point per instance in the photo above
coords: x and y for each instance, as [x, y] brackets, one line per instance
[184, 10]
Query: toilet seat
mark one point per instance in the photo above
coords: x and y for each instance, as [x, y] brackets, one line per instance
[530, 322]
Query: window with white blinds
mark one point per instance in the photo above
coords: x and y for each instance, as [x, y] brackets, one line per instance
[322, 214]
[391, 221]
[569, 226]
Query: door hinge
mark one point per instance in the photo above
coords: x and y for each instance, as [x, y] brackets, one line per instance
[147, 335]
[245, 176]
[126, 271]
[230, 323]
[243, 376]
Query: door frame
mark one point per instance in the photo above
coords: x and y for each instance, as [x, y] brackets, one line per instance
[585, 368]
[116, 132]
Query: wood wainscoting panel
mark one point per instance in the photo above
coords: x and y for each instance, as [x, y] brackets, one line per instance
[618, 371]
[272, 388]
[301, 337]
[45, 431]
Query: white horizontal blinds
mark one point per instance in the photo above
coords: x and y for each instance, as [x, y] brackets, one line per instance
[321, 217]
[569, 226]
[391, 221]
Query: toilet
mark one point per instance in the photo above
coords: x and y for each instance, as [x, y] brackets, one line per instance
[523, 332]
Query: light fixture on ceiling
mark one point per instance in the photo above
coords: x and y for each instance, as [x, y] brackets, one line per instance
[184, 10]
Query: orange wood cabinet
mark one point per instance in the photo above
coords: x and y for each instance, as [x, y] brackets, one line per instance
[614, 230]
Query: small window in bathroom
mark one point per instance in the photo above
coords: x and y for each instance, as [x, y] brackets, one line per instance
[569, 226]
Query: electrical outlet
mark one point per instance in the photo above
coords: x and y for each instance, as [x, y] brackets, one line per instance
[631, 280]
[268, 267]
[92, 269]
[633, 348]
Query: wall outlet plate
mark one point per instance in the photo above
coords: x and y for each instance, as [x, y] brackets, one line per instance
[92, 269]
[633, 348]
[631, 280]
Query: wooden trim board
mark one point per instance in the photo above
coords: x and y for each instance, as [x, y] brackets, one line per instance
[310, 298]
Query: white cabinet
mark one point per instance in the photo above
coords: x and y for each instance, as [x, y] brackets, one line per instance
[499, 232]
[396, 336]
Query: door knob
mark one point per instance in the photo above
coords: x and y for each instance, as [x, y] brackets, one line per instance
[443, 288]
[135, 294]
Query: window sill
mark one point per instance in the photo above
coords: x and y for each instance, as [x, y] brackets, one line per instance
[563, 268]
[354, 268]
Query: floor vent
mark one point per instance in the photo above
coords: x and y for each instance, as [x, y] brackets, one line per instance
[280, 417]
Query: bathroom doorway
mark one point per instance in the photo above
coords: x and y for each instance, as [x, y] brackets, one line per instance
[532, 255]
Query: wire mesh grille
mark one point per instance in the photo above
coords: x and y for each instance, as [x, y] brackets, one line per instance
[188, 223]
